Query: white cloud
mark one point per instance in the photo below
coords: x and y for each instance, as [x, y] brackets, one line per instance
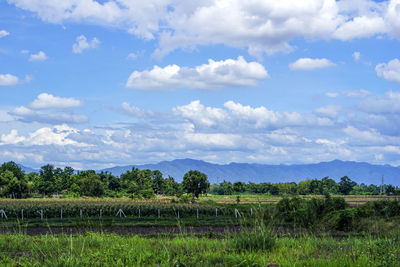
[233, 132]
[8, 80]
[258, 25]
[388, 103]
[82, 44]
[356, 94]
[41, 56]
[47, 101]
[4, 33]
[201, 115]
[44, 109]
[389, 71]
[356, 56]
[135, 111]
[331, 95]
[330, 111]
[24, 51]
[132, 56]
[311, 63]
[214, 75]
[360, 27]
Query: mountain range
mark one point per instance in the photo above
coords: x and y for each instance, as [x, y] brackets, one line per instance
[360, 172]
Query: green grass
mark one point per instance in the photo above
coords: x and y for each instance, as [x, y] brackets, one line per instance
[186, 250]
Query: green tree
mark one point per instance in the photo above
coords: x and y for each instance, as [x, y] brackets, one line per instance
[159, 184]
[195, 182]
[346, 185]
[12, 180]
[238, 187]
[46, 182]
[90, 184]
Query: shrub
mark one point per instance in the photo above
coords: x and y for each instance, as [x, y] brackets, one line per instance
[253, 241]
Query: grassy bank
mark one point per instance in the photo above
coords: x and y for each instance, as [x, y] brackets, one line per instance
[186, 250]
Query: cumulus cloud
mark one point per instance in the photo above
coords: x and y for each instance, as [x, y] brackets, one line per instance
[232, 132]
[389, 71]
[331, 111]
[47, 101]
[214, 75]
[260, 26]
[356, 56]
[8, 80]
[201, 115]
[82, 44]
[135, 111]
[47, 108]
[311, 63]
[40, 56]
[388, 103]
[4, 33]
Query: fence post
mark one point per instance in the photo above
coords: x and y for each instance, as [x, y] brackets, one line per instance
[178, 215]
[80, 213]
[41, 215]
[22, 214]
[251, 211]
[158, 213]
[61, 214]
[101, 212]
[216, 212]
[139, 213]
[197, 213]
[120, 213]
[3, 214]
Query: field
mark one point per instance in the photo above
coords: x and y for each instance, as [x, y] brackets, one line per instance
[187, 250]
[214, 231]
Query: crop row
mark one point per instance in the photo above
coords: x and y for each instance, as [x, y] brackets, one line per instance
[55, 210]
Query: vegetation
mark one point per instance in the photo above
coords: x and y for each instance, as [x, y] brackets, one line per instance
[188, 250]
[145, 184]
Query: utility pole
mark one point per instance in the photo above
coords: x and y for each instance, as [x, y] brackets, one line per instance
[382, 192]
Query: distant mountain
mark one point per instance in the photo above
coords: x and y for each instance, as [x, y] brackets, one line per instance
[27, 169]
[358, 171]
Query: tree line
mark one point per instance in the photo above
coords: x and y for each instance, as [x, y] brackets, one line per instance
[50, 181]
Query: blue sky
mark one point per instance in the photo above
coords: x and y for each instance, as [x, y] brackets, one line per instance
[93, 84]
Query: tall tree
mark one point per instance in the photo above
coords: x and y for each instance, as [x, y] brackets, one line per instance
[346, 185]
[195, 182]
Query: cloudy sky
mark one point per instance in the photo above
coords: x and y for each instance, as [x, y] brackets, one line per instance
[92, 84]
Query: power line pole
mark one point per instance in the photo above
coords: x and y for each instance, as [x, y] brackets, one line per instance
[382, 191]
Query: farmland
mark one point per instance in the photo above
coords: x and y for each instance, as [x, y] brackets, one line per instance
[213, 231]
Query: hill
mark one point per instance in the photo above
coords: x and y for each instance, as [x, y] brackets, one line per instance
[360, 172]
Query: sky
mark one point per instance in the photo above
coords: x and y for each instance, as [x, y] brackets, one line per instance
[94, 84]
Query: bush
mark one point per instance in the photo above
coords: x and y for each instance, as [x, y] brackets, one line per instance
[345, 220]
[253, 241]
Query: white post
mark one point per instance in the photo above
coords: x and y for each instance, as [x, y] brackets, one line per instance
[197, 213]
[216, 212]
[61, 215]
[80, 213]
[120, 213]
[41, 215]
[139, 213]
[251, 211]
[158, 213]
[22, 214]
[101, 212]
[178, 214]
[3, 214]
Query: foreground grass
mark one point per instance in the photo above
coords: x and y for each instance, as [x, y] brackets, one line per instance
[188, 250]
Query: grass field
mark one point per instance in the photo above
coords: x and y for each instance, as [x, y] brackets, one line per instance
[186, 250]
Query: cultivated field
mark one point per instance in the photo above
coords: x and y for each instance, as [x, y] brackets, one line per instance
[213, 231]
